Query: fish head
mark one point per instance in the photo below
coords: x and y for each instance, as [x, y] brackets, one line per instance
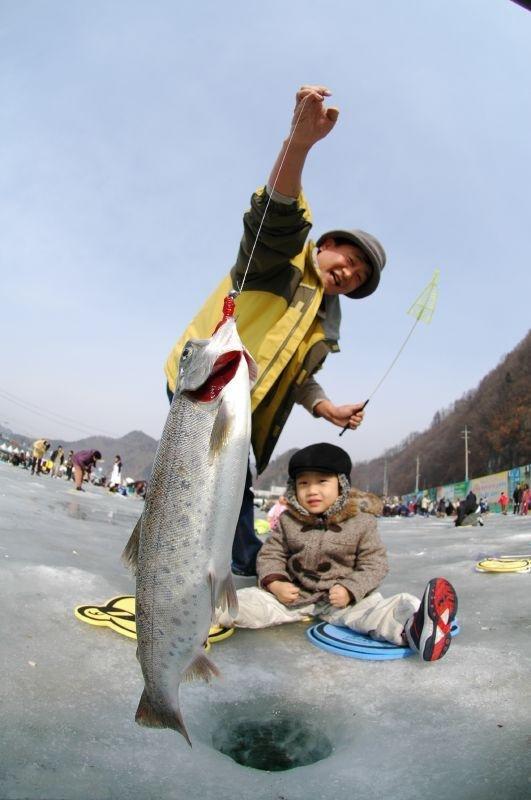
[208, 365]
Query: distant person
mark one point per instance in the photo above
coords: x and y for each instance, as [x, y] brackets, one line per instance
[40, 446]
[69, 464]
[115, 480]
[140, 488]
[16, 458]
[83, 462]
[524, 501]
[273, 515]
[57, 458]
[466, 513]
[326, 560]
[517, 498]
[503, 501]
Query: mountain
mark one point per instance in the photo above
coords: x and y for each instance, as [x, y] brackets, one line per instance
[497, 415]
[136, 449]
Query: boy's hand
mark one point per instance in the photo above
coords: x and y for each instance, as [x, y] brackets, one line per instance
[312, 119]
[339, 597]
[284, 591]
[350, 414]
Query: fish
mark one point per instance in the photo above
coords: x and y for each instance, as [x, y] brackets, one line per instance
[181, 547]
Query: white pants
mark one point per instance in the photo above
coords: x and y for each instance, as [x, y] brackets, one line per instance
[380, 618]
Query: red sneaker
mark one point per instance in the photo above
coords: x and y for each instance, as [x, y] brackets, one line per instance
[428, 630]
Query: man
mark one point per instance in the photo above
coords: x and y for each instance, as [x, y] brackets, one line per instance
[83, 462]
[39, 449]
[288, 312]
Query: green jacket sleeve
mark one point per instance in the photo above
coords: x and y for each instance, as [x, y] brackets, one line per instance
[284, 231]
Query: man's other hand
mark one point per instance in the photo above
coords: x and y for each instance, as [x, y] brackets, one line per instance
[350, 415]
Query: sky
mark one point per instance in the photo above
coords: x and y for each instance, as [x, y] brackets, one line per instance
[132, 135]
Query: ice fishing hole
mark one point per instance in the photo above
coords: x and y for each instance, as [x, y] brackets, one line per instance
[272, 740]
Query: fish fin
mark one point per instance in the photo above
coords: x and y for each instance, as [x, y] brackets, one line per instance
[226, 596]
[213, 590]
[201, 667]
[151, 717]
[220, 431]
[252, 366]
[130, 553]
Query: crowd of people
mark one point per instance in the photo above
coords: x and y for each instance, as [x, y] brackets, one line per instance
[457, 509]
[55, 462]
[424, 506]
[464, 511]
[79, 467]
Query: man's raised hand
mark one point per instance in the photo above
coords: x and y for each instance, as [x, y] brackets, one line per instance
[312, 120]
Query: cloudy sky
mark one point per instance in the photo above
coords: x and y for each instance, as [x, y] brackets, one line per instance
[133, 133]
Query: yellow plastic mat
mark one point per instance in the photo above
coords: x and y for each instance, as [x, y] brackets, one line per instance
[504, 564]
[118, 614]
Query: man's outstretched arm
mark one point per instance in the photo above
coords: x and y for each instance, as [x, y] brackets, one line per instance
[311, 122]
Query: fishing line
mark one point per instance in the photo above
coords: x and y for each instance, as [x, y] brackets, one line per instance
[422, 309]
[240, 288]
[393, 362]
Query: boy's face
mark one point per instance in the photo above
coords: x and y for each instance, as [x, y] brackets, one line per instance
[316, 491]
[343, 267]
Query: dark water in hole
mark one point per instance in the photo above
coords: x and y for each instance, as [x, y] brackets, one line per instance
[274, 745]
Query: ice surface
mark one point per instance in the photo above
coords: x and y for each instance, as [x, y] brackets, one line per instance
[455, 730]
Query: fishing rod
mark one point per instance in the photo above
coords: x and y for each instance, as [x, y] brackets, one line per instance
[422, 309]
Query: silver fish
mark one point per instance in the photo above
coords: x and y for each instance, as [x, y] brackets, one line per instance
[182, 544]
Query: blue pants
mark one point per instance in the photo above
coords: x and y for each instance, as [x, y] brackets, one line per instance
[246, 543]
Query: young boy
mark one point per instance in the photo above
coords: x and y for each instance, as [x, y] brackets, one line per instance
[326, 559]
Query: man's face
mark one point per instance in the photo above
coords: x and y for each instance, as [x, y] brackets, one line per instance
[316, 491]
[343, 267]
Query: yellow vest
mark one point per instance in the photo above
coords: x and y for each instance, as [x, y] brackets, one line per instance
[280, 327]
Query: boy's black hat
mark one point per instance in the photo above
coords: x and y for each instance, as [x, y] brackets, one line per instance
[321, 457]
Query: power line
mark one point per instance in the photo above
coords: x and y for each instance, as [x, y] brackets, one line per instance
[51, 415]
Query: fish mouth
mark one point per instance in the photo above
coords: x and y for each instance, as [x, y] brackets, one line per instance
[223, 371]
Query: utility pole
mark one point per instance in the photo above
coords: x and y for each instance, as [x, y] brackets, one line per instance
[385, 486]
[467, 451]
[417, 476]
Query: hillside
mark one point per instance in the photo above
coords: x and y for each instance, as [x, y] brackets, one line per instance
[497, 414]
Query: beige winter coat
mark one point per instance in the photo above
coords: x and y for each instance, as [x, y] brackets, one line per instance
[314, 553]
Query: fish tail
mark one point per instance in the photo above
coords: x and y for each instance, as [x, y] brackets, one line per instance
[151, 717]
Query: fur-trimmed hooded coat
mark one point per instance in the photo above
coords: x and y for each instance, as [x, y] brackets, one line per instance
[316, 552]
